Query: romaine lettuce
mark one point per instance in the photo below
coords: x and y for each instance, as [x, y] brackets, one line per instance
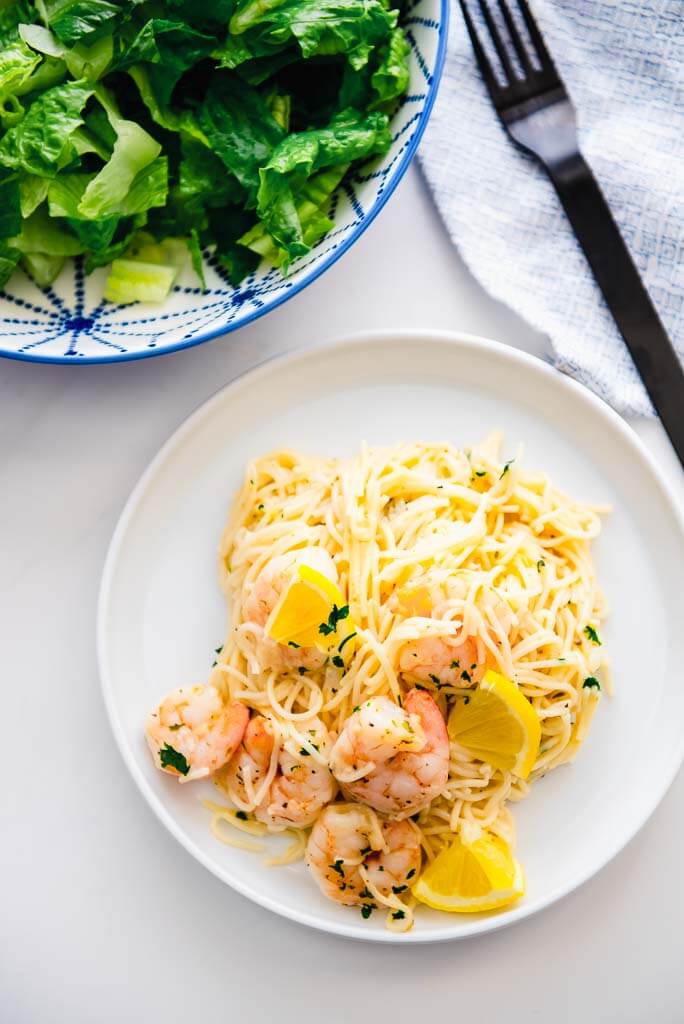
[126, 125]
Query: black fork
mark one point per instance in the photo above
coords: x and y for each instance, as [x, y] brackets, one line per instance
[537, 112]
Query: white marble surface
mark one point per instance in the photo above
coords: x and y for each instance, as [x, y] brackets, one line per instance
[103, 917]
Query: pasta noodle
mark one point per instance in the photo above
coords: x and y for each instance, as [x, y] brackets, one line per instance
[508, 556]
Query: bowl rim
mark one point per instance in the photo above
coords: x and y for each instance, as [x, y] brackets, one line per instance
[452, 337]
[316, 271]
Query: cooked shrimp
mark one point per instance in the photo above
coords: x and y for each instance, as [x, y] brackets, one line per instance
[394, 759]
[300, 787]
[194, 731]
[349, 848]
[442, 660]
[263, 596]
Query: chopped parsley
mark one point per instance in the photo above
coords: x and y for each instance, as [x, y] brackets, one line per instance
[366, 910]
[345, 641]
[411, 873]
[170, 758]
[336, 615]
[466, 699]
[465, 676]
[436, 680]
[592, 635]
[260, 508]
[178, 725]
[419, 686]
[241, 815]
[366, 894]
[337, 661]
[357, 707]
[591, 683]
[304, 752]
[480, 472]
[291, 643]
[399, 888]
[540, 564]
[366, 849]
[337, 866]
[455, 663]
[398, 915]
[507, 466]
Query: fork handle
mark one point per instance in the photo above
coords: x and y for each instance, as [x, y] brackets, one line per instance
[624, 292]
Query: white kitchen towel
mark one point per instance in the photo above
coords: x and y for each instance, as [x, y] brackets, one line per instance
[623, 64]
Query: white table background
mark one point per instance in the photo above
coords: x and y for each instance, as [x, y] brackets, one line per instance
[103, 916]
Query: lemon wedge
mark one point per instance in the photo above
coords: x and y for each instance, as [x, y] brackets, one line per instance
[498, 725]
[466, 878]
[312, 612]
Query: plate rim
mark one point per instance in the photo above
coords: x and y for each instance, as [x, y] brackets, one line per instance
[319, 268]
[271, 365]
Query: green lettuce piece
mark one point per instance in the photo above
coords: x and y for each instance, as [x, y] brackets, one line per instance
[17, 63]
[10, 207]
[65, 192]
[82, 61]
[40, 143]
[9, 258]
[321, 27]
[42, 233]
[196, 256]
[136, 281]
[12, 15]
[226, 227]
[74, 20]
[32, 192]
[147, 272]
[315, 223]
[203, 180]
[350, 136]
[258, 69]
[240, 129]
[43, 245]
[126, 231]
[183, 122]
[90, 62]
[170, 48]
[51, 71]
[42, 267]
[391, 78]
[133, 150]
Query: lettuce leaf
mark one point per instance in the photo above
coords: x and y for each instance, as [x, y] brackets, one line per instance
[171, 47]
[133, 150]
[10, 207]
[240, 129]
[17, 64]
[75, 20]
[9, 258]
[351, 27]
[349, 137]
[41, 141]
[226, 122]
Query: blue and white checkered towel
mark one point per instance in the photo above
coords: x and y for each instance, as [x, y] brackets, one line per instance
[623, 64]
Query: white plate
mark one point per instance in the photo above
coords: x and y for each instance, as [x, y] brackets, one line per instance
[161, 613]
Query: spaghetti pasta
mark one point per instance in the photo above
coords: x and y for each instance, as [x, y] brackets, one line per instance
[430, 544]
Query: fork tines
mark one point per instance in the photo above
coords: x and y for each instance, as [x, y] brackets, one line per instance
[537, 69]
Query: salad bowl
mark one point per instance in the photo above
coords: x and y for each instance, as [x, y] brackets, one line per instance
[69, 321]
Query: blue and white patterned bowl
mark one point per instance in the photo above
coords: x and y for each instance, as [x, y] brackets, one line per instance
[71, 323]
